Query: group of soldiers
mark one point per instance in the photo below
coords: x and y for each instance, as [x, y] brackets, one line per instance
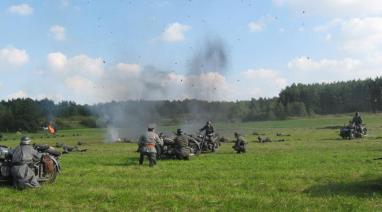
[147, 143]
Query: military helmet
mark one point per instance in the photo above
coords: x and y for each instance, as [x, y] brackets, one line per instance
[25, 140]
[209, 122]
[357, 113]
[236, 134]
[151, 126]
[179, 131]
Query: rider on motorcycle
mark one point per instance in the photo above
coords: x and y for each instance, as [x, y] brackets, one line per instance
[357, 121]
[209, 130]
[23, 158]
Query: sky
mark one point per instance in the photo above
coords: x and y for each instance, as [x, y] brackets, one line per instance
[97, 51]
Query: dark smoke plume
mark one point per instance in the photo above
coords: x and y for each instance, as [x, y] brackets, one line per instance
[212, 57]
[204, 80]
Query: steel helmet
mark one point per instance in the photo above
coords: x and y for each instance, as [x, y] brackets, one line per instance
[179, 131]
[25, 140]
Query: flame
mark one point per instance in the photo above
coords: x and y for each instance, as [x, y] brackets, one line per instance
[51, 129]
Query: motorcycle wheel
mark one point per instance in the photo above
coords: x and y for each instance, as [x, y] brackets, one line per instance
[51, 177]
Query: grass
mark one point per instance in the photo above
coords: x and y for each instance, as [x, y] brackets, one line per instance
[313, 170]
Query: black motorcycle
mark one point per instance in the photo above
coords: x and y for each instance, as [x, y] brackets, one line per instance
[168, 149]
[46, 170]
[208, 143]
[353, 132]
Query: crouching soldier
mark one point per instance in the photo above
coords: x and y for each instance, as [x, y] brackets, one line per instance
[181, 146]
[23, 158]
[240, 144]
[147, 146]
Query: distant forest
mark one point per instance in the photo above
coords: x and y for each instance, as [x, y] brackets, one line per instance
[295, 100]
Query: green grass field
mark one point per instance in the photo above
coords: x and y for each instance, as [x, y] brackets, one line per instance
[313, 170]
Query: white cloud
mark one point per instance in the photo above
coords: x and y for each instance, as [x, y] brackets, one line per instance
[266, 74]
[256, 26]
[327, 26]
[355, 35]
[80, 85]
[128, 69]
[261, 23]
[13, 56]
[86, 65]
[334, 8]
[58, 32]
[21, 9]
[206, 86]
[18, 94]
[263, 82]
[175, 32]
[306, 70]
[57, 61]
[79, 64]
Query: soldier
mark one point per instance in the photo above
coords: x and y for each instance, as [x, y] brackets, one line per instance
[209, 132]
[240, 144]
[208, 128]
[357, 121]
[182, 150]
[147, 146]
[23, 157]
[263, 139]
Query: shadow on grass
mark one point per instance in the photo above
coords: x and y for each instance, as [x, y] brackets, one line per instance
[364, 188]
[334, 139]
[335, 127]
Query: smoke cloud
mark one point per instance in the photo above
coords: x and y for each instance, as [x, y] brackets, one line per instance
[204, 80]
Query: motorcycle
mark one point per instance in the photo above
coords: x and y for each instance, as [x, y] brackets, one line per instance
[353, 132]
[168, 149]
[46, 169]
[208, 143]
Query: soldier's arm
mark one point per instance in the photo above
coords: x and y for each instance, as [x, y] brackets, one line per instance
[158, 140]
[140, 141]
[203, 128]
[36, 155]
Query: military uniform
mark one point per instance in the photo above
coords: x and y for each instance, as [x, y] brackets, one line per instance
[23, 158]
[357, 120]
[209, 132]
[181, 147]
[208, 128]
[147, 147]
[240, 144]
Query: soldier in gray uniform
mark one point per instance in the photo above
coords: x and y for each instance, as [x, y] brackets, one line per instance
[23, 157]
[181, 145]
[147, 146]
[240, 144]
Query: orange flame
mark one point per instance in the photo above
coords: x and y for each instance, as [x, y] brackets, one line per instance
[51, 129]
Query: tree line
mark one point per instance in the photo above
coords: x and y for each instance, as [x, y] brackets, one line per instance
[295, 100]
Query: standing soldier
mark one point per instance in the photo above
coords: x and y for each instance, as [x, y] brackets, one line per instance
[240, 144]
[23, 156]
[147, 146]
[181, 145]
